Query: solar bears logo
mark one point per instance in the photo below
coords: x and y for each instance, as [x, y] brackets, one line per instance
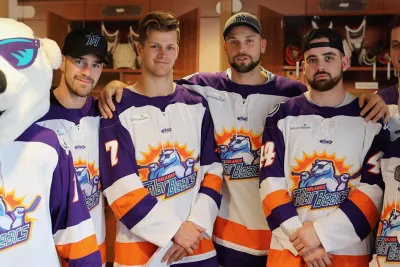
[89, 181]
[15, 224]
[240, 153]
[387, 245]
[321, 181]
[168, 170]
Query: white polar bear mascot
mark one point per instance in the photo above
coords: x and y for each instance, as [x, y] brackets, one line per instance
[43, 217]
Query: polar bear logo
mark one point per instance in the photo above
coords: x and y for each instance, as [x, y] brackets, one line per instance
[89, 187]
[323, 173]
[392, 226]
[170, 162]
[239, 148]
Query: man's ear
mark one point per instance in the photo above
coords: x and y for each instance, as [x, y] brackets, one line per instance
[263, 45]
[62, 66]
[139, 49]
[53, 52]
[345, 62]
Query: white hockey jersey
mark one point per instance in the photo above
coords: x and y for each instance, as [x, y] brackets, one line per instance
[79, 129]
[241, 234]
[322, 164]
[43, 218]
[159, 168]
[387, 242]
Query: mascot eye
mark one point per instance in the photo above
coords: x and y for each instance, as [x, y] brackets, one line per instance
[19, 52]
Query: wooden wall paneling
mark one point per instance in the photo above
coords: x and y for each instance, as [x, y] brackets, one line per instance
[226, 13]
[188, 59]
[271, 23]
[391, 6]
[57, 27]
[374, 7]
[3, 9]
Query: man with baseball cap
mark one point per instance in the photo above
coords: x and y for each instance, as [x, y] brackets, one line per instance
[320, 175]
[240, 99]
[74, 116]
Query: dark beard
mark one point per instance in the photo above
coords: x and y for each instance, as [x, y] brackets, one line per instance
[244, 68]
[326, 85]
[71, 88]
[75, 92]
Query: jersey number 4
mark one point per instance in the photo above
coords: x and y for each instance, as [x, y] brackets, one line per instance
[267, 154]
[112, 147]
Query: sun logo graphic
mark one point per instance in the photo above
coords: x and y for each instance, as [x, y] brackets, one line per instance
[240, 153]
[387, 245]
[15, 224]
[168, 170]
[320, 180]
[89, 181]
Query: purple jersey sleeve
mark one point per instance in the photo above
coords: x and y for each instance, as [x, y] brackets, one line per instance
[277, 204]
[73, 229]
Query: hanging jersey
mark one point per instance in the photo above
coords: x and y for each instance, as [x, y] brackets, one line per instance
[239, 111]
[387, 242]
[322, 164]
[42, 212]
[79, 129]
[159, 168]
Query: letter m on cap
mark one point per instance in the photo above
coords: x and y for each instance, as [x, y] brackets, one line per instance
[241, 18]
[92, 40]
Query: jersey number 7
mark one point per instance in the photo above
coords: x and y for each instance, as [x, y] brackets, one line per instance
[112, 147]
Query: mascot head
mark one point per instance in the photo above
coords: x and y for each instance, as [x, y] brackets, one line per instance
[26, 72]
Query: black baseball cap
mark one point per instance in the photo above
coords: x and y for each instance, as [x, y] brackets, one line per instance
[241, 19]
[82, 42]
[335, 39]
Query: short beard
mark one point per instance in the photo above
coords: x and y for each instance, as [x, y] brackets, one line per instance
[242, 68]
[72, 89]
[326, 85]
[76, 92]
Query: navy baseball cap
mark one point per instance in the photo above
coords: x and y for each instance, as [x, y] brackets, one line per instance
[335, 39]
[241, 19]
[82, 42]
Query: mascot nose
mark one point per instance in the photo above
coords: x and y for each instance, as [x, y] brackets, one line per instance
[3, 82]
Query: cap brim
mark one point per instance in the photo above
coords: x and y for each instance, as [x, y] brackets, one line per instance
[235, 24]
[76, 54]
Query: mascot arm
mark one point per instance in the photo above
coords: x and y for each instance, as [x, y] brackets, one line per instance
[279, 210]
[129, 200]
[208, 200]
[357, 216]
[73, 229]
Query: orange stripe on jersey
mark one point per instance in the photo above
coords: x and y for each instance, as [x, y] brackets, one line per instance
[212, 181]
[204, 247]
[284, 258]
[79, 249]
[365, 204]
[103, 253]
[274, 200]
[125, 203]
[135, 253]
[238, 234]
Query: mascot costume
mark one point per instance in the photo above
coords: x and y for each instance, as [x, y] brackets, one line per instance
[43, 217]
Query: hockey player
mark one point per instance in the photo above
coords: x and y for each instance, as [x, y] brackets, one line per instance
[43, 217]
[74, 116]
[240, 99]
[320, 179]
[159, 168]
[387, 243]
